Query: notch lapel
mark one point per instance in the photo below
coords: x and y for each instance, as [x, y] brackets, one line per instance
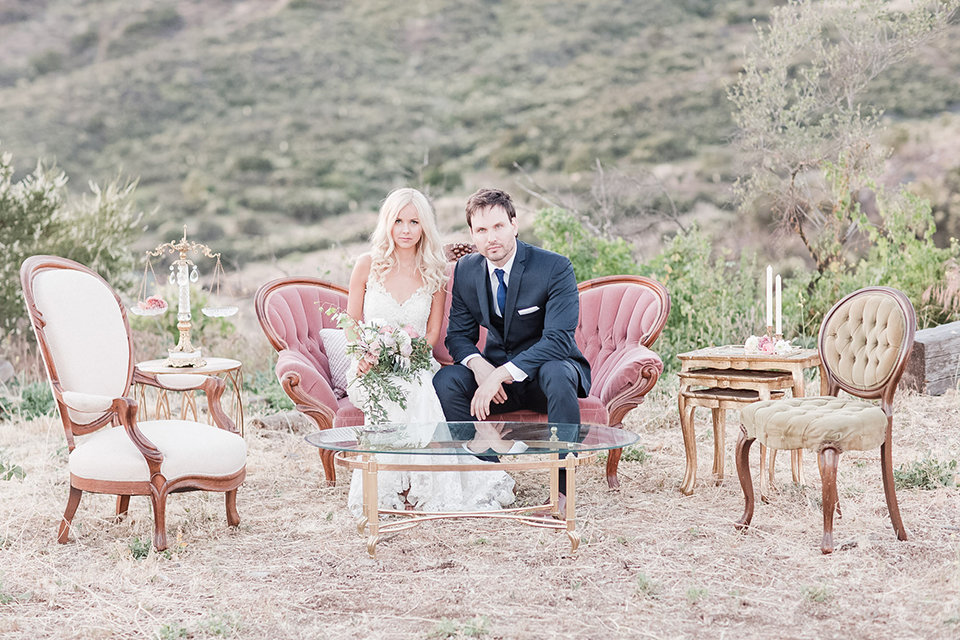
[516, 273]
[481, 285]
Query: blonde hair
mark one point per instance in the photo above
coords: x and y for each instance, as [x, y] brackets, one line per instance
[430, 260]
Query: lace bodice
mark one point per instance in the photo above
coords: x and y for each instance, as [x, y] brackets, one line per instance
[379, 304]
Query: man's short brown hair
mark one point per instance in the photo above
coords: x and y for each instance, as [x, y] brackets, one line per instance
[485, 198]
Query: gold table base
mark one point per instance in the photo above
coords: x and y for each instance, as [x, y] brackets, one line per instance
[232, 375]
[369, 523]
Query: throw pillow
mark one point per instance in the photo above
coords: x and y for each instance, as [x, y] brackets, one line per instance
[335, 346]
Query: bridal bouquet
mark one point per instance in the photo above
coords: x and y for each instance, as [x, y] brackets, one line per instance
[392, 352]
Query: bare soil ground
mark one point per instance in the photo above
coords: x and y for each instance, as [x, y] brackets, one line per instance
[653, 563]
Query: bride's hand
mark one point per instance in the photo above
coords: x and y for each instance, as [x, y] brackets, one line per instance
[363, 366]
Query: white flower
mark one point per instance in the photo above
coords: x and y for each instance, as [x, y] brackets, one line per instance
[752, 345]
[782, 348]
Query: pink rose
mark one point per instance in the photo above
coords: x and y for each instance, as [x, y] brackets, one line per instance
[411, 331]
[406, 349]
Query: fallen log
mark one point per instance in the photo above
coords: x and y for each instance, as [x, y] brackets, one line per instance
[934, 364]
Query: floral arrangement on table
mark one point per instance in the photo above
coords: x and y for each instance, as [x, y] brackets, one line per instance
[767, 345]
[392, 353]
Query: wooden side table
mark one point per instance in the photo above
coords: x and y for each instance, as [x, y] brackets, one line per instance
[730, 367]
[231, 371]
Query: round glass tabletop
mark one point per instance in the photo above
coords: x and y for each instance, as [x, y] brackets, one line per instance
[472, 438]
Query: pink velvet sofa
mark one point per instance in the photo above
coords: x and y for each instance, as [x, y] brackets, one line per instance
[620, 319]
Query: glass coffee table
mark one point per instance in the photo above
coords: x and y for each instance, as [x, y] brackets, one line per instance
[518, 445]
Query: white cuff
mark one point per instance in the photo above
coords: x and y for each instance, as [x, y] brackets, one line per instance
[469, 358]
[516, 372]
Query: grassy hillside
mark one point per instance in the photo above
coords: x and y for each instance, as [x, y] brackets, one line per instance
[251, 118]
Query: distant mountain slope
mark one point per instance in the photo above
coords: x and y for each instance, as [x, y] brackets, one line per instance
[250, 115]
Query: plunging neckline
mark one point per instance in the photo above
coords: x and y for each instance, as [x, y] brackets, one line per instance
[413, 295]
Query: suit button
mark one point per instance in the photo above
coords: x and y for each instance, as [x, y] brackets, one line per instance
[510, 353]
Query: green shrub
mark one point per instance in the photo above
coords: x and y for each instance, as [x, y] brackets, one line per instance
[265, 386]
[49, 61]
[592, 256]
[140, 549]
[35, 219]
[714, 300]
[254, 163]
[9, 470]
[32, 401]
[927, 474]
[155, 22]
[37, 400]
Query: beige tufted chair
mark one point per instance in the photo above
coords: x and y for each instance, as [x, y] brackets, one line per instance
[84, 338]
[864, 343]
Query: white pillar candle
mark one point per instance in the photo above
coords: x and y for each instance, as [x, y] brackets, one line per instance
[769, 295]
[779, 308]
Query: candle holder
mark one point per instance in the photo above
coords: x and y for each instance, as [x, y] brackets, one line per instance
[770, 331]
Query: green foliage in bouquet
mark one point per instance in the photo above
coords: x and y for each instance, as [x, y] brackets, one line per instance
[35, 218]
[392, 354]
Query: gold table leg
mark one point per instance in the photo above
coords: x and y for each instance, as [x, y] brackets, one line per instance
[570, 515]
[372, 505]
[555, 487]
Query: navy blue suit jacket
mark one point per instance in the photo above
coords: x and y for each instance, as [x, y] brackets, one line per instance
[542, 285]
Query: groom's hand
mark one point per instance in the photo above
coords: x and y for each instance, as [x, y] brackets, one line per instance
[490, 381]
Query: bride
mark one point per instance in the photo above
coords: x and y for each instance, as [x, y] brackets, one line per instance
[402, 282]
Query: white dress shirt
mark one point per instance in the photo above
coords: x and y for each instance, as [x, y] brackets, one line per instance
[516, 372]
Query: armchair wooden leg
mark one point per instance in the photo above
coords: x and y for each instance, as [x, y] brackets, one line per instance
[233, 516]
[613, 461]
[72, 503]
[159, 500]
[828, 459]
[890, 491]
[123, 503]
[329, 470]
[746, 482]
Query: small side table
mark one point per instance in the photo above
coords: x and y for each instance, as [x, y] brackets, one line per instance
[730, 367]
[229, 370]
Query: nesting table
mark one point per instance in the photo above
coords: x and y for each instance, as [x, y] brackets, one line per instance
[726, 377]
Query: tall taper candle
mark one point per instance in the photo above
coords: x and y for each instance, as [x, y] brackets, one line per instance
[779, 324]
[769, 296]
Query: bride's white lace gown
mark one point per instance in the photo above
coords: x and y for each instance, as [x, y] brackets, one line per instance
[427, 490]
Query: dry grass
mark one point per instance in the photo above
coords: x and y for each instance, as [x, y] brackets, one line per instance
[653, 563]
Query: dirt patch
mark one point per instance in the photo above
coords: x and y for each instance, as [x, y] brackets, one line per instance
[653, 563]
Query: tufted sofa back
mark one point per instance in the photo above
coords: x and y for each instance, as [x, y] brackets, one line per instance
[618, 312]
[291, 312]
[866, 337]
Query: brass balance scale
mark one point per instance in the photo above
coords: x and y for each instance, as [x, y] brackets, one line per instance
[183, 271]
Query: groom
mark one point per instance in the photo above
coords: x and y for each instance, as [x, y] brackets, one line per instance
[527, 299]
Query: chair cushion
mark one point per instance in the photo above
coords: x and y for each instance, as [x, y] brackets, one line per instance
[189, 449]
[806, 423]
[335, 346]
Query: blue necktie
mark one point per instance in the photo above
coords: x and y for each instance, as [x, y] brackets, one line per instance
[501, 291]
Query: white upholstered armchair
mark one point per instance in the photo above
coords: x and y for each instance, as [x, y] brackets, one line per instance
[84, 338]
